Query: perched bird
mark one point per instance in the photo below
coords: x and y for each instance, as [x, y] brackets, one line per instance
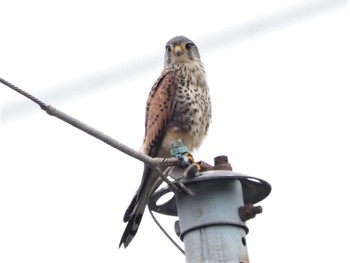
[178, 107]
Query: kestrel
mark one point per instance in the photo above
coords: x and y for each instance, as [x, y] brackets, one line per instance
[178, 107]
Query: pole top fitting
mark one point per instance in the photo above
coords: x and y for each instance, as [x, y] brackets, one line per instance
[254, 190]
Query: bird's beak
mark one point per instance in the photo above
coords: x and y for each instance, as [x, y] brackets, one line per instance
[178, 50]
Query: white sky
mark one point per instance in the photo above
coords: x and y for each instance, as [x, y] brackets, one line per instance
[278, 73]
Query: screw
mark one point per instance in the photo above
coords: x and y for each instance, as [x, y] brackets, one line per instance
[249, 211]
[221, 163]
[221, 159]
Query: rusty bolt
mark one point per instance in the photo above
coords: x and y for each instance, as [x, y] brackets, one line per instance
[221, 163]
[249, 211]
[221, 159]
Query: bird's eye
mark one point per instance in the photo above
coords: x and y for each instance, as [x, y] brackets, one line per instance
[189, 46]
[168, 48]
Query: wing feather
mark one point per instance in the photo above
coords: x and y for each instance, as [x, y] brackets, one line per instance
[159, 109]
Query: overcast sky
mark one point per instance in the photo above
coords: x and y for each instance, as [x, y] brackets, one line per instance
[278, 73]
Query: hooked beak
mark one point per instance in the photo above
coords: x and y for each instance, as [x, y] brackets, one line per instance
[178, 50]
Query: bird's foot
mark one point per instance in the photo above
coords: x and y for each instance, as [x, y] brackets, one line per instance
[192, 161]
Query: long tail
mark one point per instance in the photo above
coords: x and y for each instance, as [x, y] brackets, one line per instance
[134, 220]
[136, 209]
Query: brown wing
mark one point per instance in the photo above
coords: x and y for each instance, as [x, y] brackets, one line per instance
[159, 108]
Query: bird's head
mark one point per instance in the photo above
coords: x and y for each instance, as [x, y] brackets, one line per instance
[180, 49]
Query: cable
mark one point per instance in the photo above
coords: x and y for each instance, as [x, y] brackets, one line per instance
[155, 187]
[24, 93]
[153, 163]
[164, 232]
[214, 41]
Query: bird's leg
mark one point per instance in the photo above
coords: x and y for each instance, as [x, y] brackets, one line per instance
[180, 150]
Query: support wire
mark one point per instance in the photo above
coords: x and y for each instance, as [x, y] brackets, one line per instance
[153, 163]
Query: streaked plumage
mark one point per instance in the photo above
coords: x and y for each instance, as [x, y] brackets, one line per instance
[178, 106]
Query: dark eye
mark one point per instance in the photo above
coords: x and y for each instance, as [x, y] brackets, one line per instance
[189, 46]
[168, 48]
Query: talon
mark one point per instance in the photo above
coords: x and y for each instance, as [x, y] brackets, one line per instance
[191, 171]
[191, 161]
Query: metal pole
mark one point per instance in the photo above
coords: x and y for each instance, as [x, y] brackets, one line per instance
[212, 219]
[210, 226]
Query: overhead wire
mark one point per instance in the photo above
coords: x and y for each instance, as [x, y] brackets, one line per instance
[217, 40]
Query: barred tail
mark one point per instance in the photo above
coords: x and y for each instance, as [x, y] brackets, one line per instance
[131, 229]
